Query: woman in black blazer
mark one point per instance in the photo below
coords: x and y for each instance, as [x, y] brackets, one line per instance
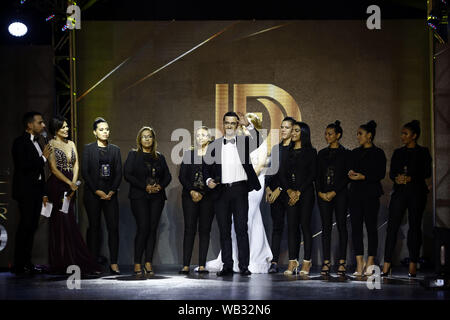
[331, 184]
[148, 175]
[198, 207]
[101, 169]
[367, 169]
[297, 178]
[410, 166]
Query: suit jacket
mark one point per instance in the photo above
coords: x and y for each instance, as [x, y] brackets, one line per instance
[90, 167]
[212, 167]
[187, 172]
[135, 172]
[28, 165]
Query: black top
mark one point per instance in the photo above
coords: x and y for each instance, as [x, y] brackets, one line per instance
[272, 179]
[332, 169]
[104, 164]
[299, 169]
[191, 174]
[371, 162]
[141, 169]
[414, 162]
[91, 168]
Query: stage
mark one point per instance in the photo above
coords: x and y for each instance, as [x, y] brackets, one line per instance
[167, 284]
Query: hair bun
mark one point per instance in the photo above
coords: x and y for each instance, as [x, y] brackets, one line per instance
[416, 123]
[372, 124]
[337, 123]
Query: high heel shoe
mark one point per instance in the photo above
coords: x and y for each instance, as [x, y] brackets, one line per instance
[326, 273]
[411, 274]
[360, 274]
[185, 270]
[292, 267]
[201, 269]
[148, 271]
[138, 273]
[306, 272]
[366, 273]
[114, 272]
[388, 273]
[341, 272]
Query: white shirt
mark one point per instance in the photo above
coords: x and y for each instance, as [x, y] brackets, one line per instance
[232, 169]
[38, 148]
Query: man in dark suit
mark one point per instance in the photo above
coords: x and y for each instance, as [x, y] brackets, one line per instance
[228, 170]
[28, 187]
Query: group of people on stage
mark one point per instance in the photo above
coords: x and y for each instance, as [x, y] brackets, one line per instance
[227, 178]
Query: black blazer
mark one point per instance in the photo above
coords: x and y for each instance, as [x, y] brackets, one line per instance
[28, 165]
[245, 145]
[272, 179]
[371, 162]
[187, 172]
[90, 167]
[340, 159]
[135, 173]
[418, 163]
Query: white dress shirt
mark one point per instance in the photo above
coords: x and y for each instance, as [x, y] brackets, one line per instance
[38, 148]
[232, 169]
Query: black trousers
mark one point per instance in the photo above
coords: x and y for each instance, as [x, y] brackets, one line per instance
[339, 205]
[364, 210]
[30, 210]
[300, 214]
[147, 212]
[278, 212]
[415, 202]
[94, 206]
[233, 202]
[196, 214]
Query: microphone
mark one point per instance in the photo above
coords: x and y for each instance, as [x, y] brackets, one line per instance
[78, 183]
[44, 135]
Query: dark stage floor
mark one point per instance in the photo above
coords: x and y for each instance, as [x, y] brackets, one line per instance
[167, 284]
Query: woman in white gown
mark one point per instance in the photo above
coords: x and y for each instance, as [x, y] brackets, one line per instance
[260, 253]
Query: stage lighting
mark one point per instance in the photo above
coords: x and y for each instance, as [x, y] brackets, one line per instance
[17, 29]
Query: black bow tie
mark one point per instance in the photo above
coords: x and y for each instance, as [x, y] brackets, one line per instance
[232, 141]
[35, 139]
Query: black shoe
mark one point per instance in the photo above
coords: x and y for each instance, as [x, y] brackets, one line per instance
[225, 272]
[326, 272]
[201, 271]
[113, 272]
[139, 273]
[273, 268]
[341, 272]
[387, 274]
[182, 271]
[411, 275]
[245, 272]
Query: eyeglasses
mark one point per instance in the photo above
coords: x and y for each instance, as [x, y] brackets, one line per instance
[147, 137]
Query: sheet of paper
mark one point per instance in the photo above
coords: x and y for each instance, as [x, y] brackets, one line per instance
[66, 203]
[47, 210]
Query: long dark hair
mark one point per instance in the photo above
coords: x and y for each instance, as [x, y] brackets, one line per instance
[305, 134]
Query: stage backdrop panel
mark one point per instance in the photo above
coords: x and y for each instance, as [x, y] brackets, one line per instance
[168, 74]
